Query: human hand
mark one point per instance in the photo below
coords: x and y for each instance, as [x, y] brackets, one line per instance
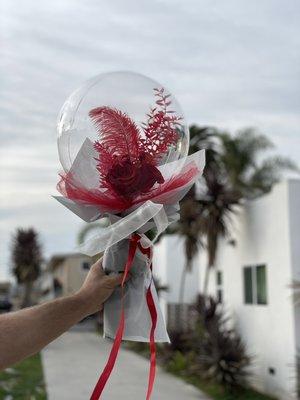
[98, 287]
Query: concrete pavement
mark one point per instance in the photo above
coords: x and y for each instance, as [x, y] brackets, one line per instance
[73, 363]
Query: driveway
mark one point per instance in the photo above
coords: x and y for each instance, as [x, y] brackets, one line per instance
[73, 363]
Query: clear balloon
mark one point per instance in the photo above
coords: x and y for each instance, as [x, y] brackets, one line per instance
[141, 99]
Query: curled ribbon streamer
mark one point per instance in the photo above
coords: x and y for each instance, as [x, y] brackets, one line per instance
[100, 385]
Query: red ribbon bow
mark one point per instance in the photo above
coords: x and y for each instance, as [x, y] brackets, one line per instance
[133, 245]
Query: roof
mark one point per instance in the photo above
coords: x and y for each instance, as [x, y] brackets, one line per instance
[57, 259]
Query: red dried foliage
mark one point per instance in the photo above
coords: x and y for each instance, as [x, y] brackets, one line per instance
[161, 128]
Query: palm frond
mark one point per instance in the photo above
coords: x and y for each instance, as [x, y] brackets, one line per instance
[91, 227]
[267, 174]
[245, 165]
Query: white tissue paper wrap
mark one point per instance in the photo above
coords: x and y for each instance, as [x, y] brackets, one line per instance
[114, 241]
[138, 321]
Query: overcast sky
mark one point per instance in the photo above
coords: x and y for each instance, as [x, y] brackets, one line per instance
[230, 64]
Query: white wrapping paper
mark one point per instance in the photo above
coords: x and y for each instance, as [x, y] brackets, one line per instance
[137, 317]
[113, 240]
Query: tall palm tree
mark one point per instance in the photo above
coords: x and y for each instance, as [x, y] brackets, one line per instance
[217, 206]
[190, 226]
[236, 169]
[26, 259]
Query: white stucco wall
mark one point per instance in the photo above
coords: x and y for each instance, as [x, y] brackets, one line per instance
[263, 234]
[168, 263]
[294, 214]
[267, 231]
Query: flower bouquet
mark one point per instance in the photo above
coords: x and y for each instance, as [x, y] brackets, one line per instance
[132, 169]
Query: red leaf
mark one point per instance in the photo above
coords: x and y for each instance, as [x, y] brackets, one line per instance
[161, 128]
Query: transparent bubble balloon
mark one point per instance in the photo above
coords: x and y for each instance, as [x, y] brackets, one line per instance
[132, 94]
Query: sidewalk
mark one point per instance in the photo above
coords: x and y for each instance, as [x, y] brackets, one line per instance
[73, 363]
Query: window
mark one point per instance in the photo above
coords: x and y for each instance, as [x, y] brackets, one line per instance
[261, 284]
[255, 284]
[85, 265]
[248, 287]
[219, 277]
[219, 284]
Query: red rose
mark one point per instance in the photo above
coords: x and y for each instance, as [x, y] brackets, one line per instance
[150, 175]
[128, 179]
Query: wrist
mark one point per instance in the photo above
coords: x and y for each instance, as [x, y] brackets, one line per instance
[86, 302]
[83, 303]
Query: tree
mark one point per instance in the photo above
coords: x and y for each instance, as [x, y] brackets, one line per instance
[217, 206]
[91, 227]
[247, 164]
[26, 260]
[190, 226]
[237, 168]
[205, 212]
[88, 229]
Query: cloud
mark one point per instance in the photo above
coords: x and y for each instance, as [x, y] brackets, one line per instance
[230, 64]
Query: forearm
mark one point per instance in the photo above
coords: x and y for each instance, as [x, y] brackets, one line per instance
[27, 331]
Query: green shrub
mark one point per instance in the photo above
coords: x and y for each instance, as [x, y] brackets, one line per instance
[178, 363]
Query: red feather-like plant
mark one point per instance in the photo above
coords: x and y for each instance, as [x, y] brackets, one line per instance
[118, 134]
[161, 128]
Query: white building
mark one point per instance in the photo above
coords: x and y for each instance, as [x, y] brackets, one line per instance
[253, 278]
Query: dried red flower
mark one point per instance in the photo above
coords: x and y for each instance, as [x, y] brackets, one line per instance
[128, 179]
[127, 157]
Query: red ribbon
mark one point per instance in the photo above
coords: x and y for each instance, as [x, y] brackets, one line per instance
[133, 244]
[153, 314]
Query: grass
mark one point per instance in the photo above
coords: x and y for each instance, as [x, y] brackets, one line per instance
[24, 381]
[217, 392]
[178, 367]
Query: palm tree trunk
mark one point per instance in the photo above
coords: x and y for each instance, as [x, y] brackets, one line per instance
[181, 296]
[206, 279]
[182, 285]
[27, 294]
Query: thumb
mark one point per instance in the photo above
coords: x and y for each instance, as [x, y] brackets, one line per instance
[98, 266]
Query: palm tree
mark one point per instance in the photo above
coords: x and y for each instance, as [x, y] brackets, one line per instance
[189, 226]
[236, 169]
[248, 169]
[217, 206]
[87, 229]
[26, 259]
